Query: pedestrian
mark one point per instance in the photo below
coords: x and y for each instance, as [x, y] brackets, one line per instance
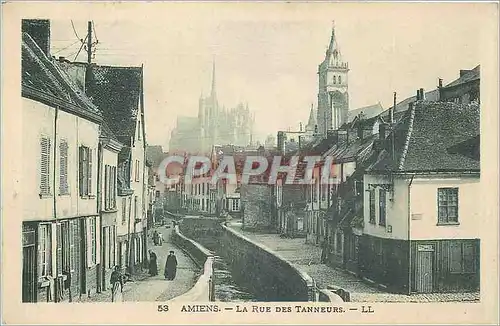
[160, 238]
[171, 266]
[324, 248]
[116, 285]
[153, 267]
[155, 237]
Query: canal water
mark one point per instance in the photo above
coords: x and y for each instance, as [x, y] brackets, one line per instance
[226, 289]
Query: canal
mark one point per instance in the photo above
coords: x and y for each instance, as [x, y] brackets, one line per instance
[226, 289]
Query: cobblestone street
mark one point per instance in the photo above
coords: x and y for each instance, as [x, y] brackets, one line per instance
[307, 258]
[146, 288]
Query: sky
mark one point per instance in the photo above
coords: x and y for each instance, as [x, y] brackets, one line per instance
[268, 55]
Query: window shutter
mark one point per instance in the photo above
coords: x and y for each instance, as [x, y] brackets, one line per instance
[63, 167]
[97, 240]
[45, 166]
[88, 226]
[81, 156]
[90, 152]
[106, 187]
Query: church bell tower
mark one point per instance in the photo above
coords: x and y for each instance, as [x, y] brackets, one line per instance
[333, 95]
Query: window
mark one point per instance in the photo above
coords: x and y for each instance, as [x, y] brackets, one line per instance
[315, 191]
[462, 257]
[447, 205]
[59, 249]
[44, 253]
[63, 168]
[109, 187]
[340, 79]
[124, 210]
[372, 206]
[323, 192]
[157, 194]
[45, 166]
[382, 206]
[85, 171]
[236, 205]
[334, 79]
[74, 235]
[137, 170]
[135, 207]
[66, 246]
[92, 241]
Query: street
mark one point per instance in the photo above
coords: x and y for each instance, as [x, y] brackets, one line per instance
[146, 288]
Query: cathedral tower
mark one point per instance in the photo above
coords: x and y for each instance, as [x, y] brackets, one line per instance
[333, 96]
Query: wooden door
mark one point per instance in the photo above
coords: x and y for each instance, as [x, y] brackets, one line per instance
[424, 275]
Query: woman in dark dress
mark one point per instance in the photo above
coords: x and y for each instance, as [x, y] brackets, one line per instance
[153, 266]
[171, 266]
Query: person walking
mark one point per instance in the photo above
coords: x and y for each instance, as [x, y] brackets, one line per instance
[171, 266]
[160, 238]
[116, 281]
[153, 266]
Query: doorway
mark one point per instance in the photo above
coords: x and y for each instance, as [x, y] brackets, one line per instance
[424, 268]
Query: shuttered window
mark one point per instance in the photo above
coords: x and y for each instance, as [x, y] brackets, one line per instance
[59, 249]
[91, 241]
[45, 166]
[462, 257]
[63, 168]
[44, 250]
[382, 206]
[73, 245]
[124, 210]
[372, 206]
[85, 171]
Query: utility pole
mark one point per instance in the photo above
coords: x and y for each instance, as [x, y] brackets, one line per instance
[89, 42]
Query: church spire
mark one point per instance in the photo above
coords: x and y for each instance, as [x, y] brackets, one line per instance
[213, 79]
[333, 41]
[311, 123]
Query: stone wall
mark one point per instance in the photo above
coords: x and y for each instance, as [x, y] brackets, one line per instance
[256, 202]
[204, 289]
[268, 276]
[265, 273]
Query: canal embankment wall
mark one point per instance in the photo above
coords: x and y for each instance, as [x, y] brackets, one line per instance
[203, 290]
[268, 276]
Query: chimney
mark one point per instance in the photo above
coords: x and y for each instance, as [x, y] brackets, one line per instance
[39, 30]
[391, 112]
[422, 94]
[418, 95]
[333, 134]
[300, 126]
[440, 82]
[440, 86]
[352, 135]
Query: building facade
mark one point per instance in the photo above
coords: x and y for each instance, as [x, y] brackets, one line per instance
[408, 244]
[61, 231]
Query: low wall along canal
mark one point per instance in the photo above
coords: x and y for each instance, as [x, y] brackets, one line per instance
[245, 270]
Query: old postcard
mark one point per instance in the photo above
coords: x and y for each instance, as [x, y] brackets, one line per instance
[240, 163]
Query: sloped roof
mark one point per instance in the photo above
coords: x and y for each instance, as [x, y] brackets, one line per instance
[472, 75]
[439, 137]
[369, 111]
[155, 155]
[40, 75]
[117, 91]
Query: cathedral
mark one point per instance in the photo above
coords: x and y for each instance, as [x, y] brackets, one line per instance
[214, 125]
[333, 96]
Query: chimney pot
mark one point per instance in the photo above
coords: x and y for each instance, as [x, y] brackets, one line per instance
[440, 83]
[422, 94]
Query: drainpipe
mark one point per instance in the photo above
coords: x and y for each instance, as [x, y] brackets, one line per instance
[99, 211]
[409, 236]
[54, 196]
